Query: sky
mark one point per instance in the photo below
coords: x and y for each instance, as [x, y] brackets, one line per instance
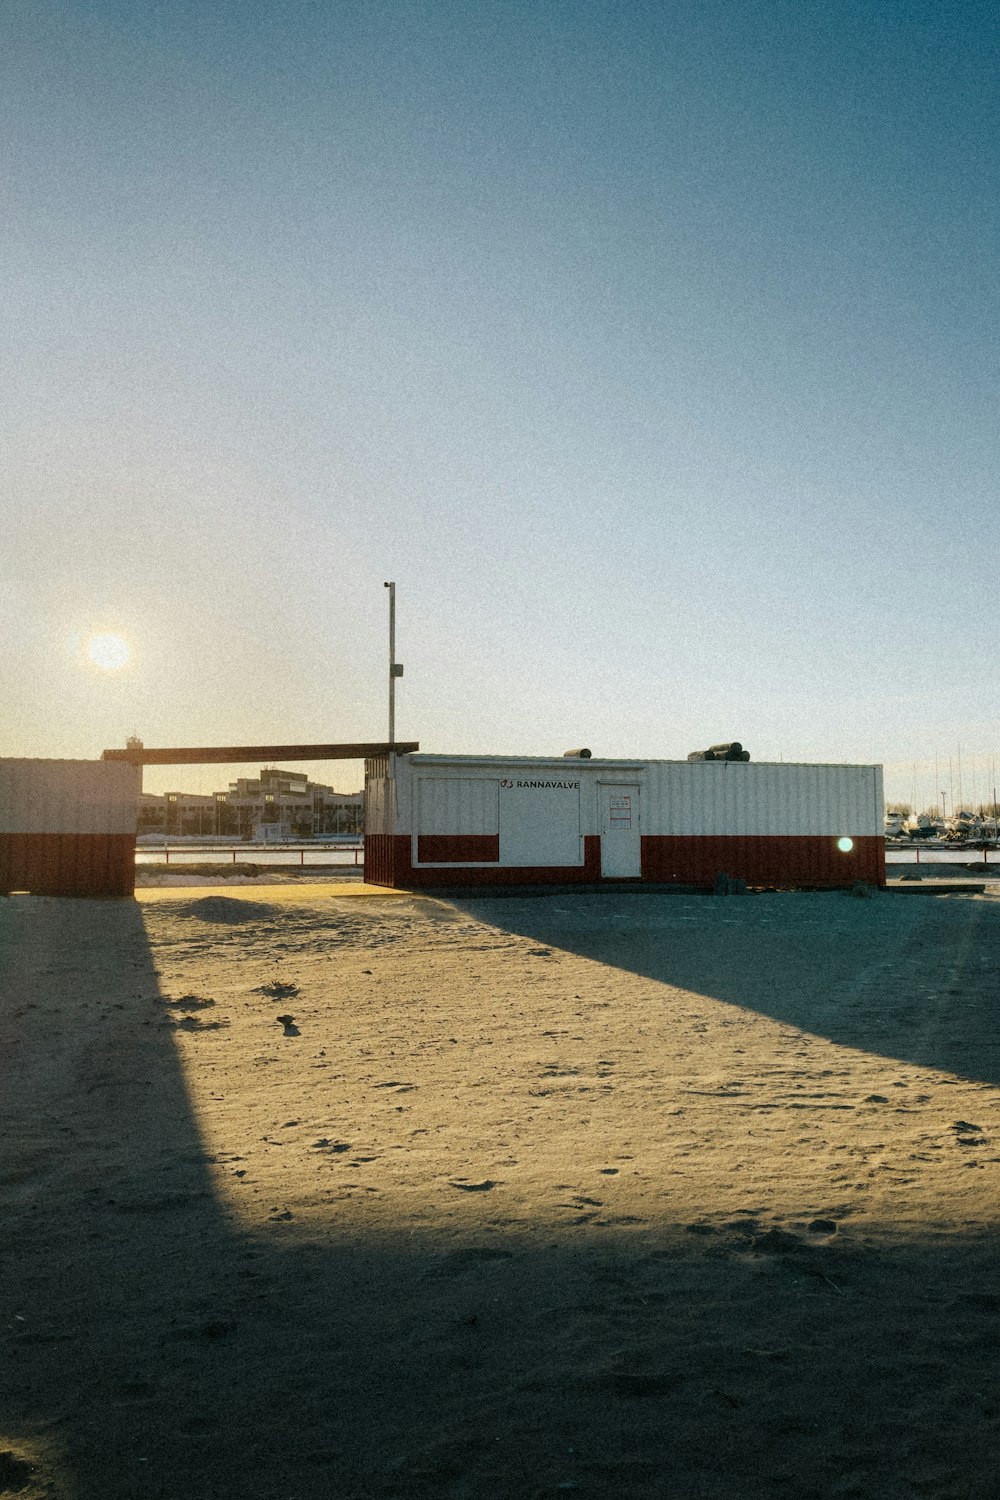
[651, 349]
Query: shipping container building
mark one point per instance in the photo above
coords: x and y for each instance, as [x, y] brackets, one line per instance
[67, 827]
[445, 820]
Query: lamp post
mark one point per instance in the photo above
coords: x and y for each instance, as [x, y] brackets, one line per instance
[395, 667]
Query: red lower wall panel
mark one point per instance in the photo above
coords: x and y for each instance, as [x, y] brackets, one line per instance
[389, 863]
[788, 860]
[380, 857]
[68, 864]
[461, 848]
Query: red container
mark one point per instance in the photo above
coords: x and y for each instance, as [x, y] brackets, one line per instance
[67, 827]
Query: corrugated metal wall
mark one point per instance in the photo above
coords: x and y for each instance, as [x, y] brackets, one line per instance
[458, 819]
[378, 804]
[457, 804]
[779, 860]
[67, 827]
[68, 796]
[68, 864]
[771, 823]
[678, 797]
[737, 798]
[379, 817]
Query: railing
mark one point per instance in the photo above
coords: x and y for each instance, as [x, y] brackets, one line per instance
[940, 854]
[323, 856]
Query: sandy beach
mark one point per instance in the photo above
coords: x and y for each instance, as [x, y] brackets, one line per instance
[305, 1194]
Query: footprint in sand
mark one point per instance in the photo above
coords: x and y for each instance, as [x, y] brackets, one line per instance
[191, 1002]
[16, 1473]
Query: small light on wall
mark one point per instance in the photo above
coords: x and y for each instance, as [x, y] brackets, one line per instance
[845, 845]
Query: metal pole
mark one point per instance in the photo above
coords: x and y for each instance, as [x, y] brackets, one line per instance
[395, 669]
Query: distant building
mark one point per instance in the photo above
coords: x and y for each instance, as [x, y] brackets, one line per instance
[176, 812]
[285, 801]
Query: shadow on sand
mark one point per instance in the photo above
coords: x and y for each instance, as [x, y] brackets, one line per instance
[912, 979]
[153, 1351]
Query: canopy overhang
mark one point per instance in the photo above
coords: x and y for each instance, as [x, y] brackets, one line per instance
[203, 755]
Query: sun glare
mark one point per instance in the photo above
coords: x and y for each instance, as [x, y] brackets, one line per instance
[109, 652]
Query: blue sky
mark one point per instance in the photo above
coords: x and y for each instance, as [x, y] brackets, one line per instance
[651, 349]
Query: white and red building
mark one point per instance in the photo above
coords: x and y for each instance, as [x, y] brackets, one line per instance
[448, 820]
[67, 827]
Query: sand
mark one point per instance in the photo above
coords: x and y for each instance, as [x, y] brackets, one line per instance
[304, 1195]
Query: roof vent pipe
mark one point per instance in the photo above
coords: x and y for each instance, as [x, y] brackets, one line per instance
[576, 755]
[731, 751]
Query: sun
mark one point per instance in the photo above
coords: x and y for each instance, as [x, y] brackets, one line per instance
[109, 652]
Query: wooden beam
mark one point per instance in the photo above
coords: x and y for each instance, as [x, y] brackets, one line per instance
[205, 755]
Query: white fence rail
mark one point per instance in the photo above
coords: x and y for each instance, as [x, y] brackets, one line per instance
[324, 856]
[940, 854]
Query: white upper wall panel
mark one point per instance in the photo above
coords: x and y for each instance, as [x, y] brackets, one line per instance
[678, 797]
[378, 804]
[68, 796]
[457, 804]
[741, 797]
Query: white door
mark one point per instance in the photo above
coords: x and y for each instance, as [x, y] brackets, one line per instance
[621, 856]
